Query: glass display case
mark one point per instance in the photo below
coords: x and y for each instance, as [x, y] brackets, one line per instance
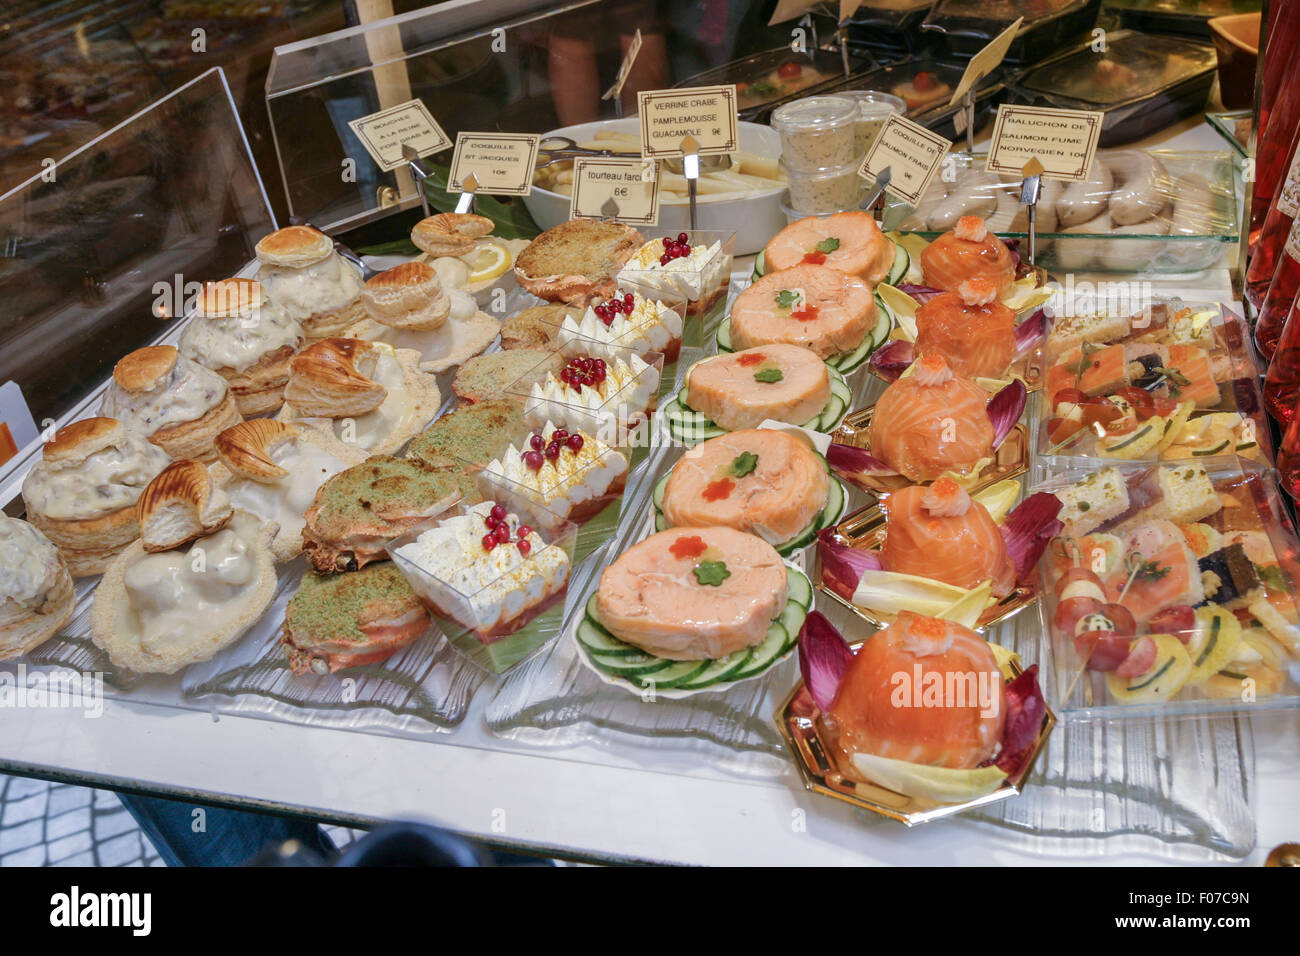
[152, 147]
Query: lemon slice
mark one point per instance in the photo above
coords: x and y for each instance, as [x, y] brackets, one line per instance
[487, 260]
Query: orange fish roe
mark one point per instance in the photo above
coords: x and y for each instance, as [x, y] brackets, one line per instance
[691, 546]
[807, 313]
[815, 258]
[718, 490]
[751, 358]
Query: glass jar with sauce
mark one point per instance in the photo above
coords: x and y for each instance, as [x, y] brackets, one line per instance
[817, 132]
[874, 108]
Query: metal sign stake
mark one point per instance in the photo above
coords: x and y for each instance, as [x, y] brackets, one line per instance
[883, 180]
[468, 187]
[691, 170]
[421, 173]
[1030, 189]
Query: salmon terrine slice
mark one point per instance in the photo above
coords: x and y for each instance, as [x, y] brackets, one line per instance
[848, 241]
[693, 593]
[767, 482]
[815, 306]
[786, 383]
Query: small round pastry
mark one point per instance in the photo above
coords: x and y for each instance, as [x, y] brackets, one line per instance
[178, 404]
[465, 332]
[246, 340]
[450, 233]
[36, 597]
[331, 379]
[377, 396]
[180, 505]
[336, 621]
[409, 296]
[273, 470]
[156, 613]
[83, 492]
[315, 286]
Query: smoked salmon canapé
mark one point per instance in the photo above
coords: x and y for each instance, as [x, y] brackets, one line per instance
[968, 251]
[735, 390]
[690, 608]
[848, 241]
[940, 532]
[834, 314]
[926, 708]
[972, 331]
[767, 482]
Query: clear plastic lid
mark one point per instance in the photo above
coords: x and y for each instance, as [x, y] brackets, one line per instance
[814, 113]
[873, 104]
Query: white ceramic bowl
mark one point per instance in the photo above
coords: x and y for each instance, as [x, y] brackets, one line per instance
[754, 219]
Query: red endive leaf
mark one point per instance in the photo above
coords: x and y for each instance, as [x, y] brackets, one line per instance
[892, 360]
[1005, 409]
[842, 566]
[823, 659]
[921, 293]
[1033, 331]
[1028, 529]
[855, 464]
[1025, 711]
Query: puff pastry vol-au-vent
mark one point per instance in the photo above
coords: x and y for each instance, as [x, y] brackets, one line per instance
[414, 306]
[376, 395]
[358, 511]
[273, 469]
[316, 287]
[245, 339]
[82, 493]
[177, 404]
[156, 612]
[36, 597]
[410, 296]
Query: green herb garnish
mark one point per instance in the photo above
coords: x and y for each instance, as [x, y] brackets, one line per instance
[743, 464]
[1271, 577]
[1152, 571]
[768, 375]
[786, 299]
[828, 245]
[711, 573]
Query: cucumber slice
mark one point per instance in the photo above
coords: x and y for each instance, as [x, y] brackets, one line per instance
[723, 335]
[792, 619]
[840, 388]
[674, 675]
[836, 502]
[766, 653]
[831, 415]
[798, 588]
[884, 326]
[640, 665]
[597, 640]
[902, 262]
[846, 362]
[718, 671]
[658, 496]
[760, 264]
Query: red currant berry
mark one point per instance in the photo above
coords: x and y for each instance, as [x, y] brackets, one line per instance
[489, 542]
[536, 442]
[533, 460]
[664, 259]
[559, 434]
[524, 547]
[498, 513]
[552, 451]
[575, 443]
[502, 533]
[523, 532]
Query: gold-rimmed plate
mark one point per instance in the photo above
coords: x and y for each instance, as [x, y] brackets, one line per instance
[865, 529]
[1011, 460]
[821, 768]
